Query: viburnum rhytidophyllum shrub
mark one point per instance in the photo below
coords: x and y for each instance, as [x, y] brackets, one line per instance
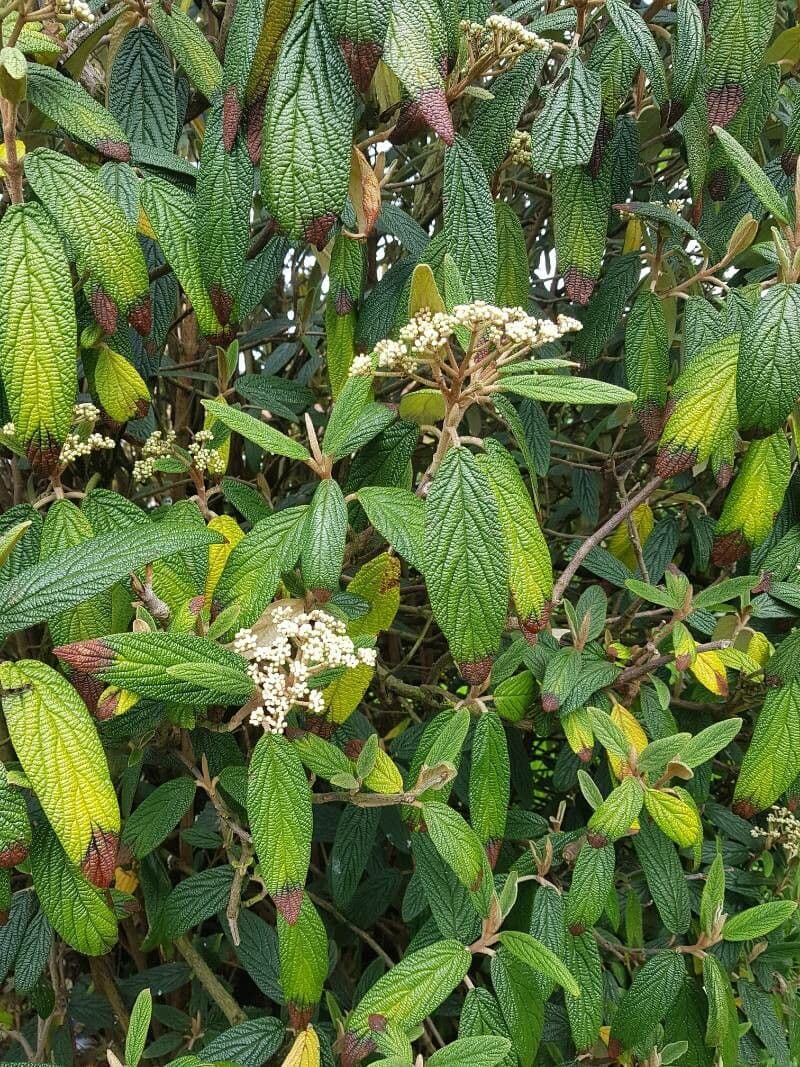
[399, 533]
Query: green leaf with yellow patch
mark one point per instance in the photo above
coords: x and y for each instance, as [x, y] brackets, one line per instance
[57, 744]
[37, 333]
[754, 499]
[704, 418]
[104, 242]
[117, 384]
[676, 814]
[67, 104]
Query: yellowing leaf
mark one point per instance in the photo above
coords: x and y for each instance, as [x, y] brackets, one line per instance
[620, 543]
[785, 48]
[20, 146]
[633, 731]
[343, 696]
[305, 1050]
[385, 776]
[578, 732]
[377, 582]
[709, 670]
[37, 333]
[119, 387]
[57, 744]
[218, 554]
[675, 815]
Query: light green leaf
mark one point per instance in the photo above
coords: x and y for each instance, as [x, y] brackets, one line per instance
[755, 177]
[539, 957]
[256, 430]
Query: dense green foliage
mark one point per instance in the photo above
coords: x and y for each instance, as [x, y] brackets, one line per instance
[399, 533]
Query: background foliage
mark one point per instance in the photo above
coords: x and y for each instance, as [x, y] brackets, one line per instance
[400, 532]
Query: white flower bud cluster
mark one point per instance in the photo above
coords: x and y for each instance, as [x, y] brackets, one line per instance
[423, 339]
[302, 645]
[9, 430]
[75, 9]
[74, 446]
[676, 206]
[204, 458]
[519, 150]
[504, 36]
[85, 412]
[512, 326]
[157, 446]
[783, 828]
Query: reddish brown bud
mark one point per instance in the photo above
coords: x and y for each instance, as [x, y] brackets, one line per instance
[764, 585]
[550, 702]
[727, 548]
[253, 125]
[107, 707]
[492, 847]
[355, 1049]
[578, 285]
[576, 929]
[300, 1015]
[585, 755]
[324, 728]
[476, 672]
[14, 854]
[343, 302]
[43, 453]
[140, 316]
[671, 112]
[723, 103]
[318, 231]
[601, 139]
[652, 417]
[745, 808]
[104, 309]
[231, 116]
[596, 840]
[361, 58]
[533, 625]
[100, 860]
[89, 688]
[377, 1023]
[409, 125]
[724, 475]
[432, 104]
[117, 150]
[684, 662]
[88, 656]
[353, 748]
[668, 463]
[789, 163]
[718, 184]
[288, 902]
[221, 302]
[614, 1045]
